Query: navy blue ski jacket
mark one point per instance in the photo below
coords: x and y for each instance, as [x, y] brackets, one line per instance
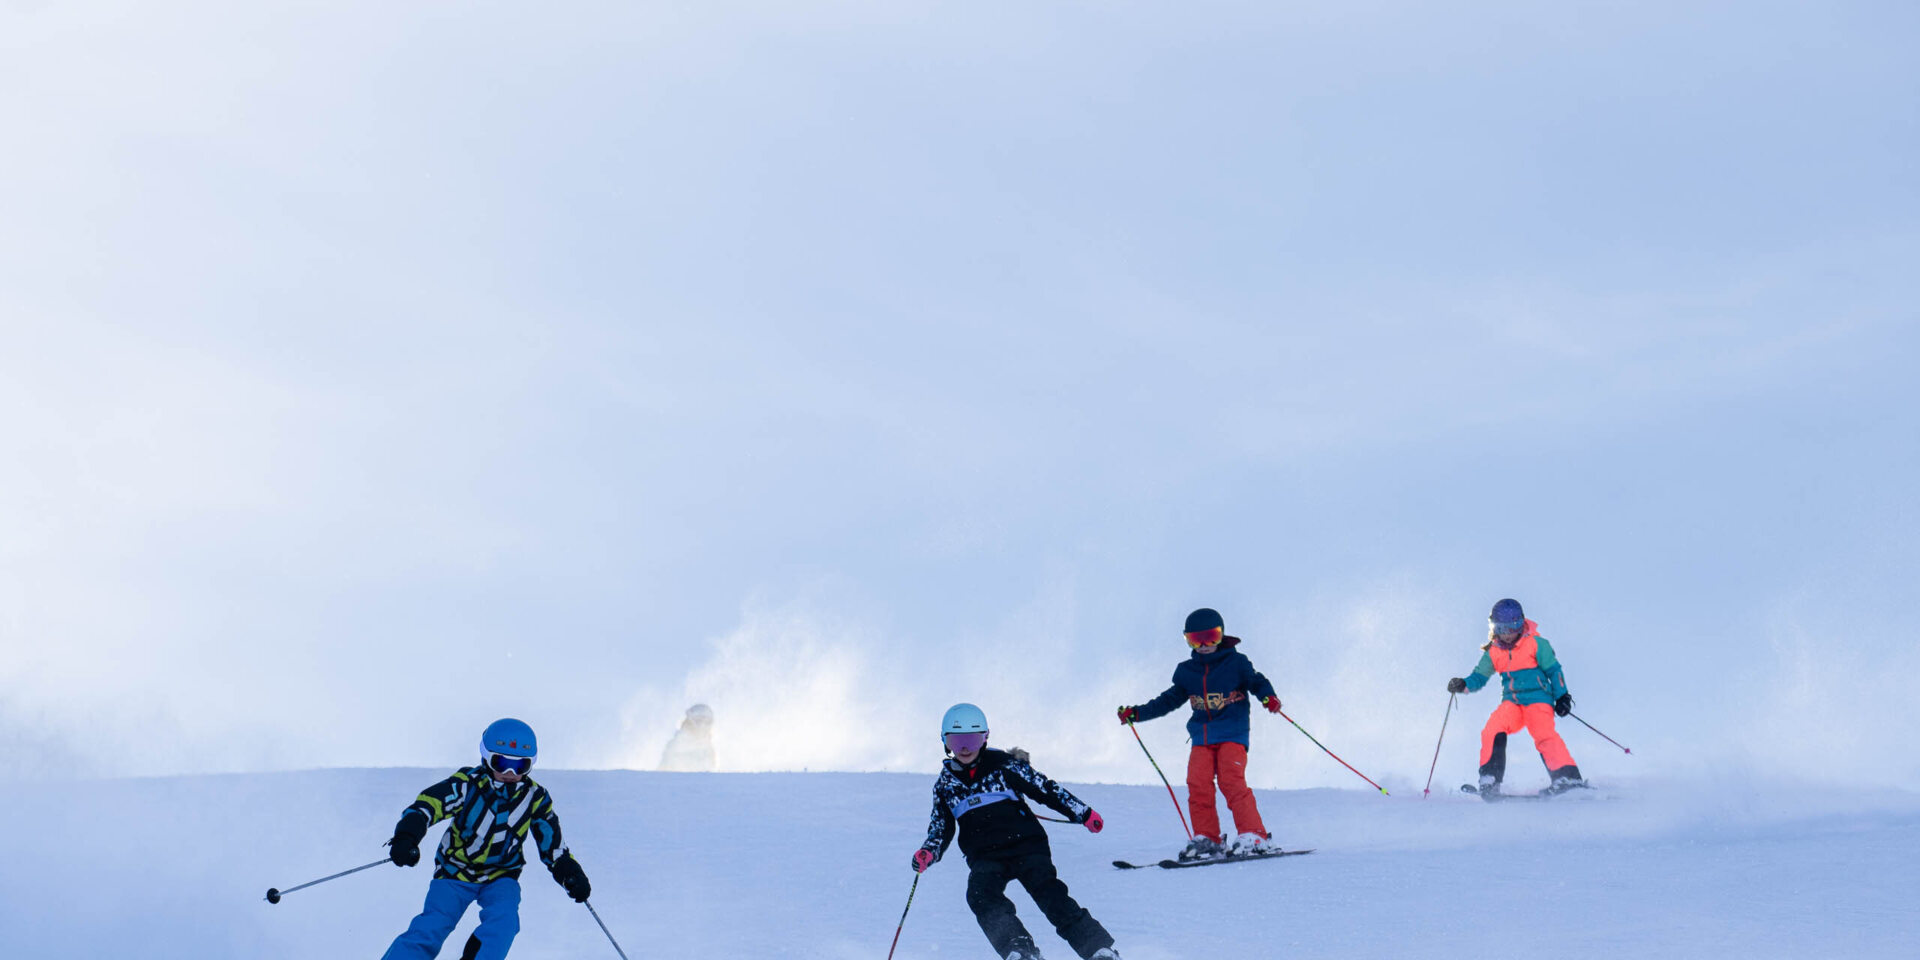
[1220, 687]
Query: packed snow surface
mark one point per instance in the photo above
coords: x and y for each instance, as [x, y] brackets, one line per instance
[816, 865]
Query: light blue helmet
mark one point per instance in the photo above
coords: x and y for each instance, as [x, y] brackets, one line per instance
[963, 718]
[509, 737]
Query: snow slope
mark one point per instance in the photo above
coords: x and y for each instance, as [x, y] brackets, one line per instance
[815, 865]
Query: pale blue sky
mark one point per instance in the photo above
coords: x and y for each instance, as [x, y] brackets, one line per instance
[372, 372]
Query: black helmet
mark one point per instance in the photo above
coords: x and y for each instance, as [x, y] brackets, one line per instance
[1205, 618]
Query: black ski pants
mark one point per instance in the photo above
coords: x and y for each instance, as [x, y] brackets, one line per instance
[987, 896]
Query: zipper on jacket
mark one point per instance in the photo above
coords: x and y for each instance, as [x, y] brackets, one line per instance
[1206, 670]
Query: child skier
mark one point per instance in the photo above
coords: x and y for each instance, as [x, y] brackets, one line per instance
[1215, 680]
[980, 792]
[1532, 693]
[494, 807]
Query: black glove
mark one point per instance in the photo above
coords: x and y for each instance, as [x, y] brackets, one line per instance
[1456, 685]
[403, 850]
[1564, 705]
[567, 873]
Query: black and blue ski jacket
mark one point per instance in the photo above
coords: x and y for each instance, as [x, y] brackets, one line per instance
[491, 823]
[986, 801]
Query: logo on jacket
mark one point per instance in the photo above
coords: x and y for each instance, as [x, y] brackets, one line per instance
[1215, 701]
[964, 805]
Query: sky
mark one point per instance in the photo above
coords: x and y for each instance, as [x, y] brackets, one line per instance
[368, 373]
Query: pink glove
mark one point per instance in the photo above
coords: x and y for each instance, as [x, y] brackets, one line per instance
[1094, 823]
[922, 859]
[1272, 704]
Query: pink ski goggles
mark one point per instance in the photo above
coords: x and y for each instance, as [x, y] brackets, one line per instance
[966, 742]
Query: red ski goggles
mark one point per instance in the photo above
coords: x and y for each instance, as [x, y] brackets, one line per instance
[501, 763]
[1206, 638]
[966, 742]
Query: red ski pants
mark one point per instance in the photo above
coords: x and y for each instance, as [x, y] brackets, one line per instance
[1509, 717]
[1228, 761]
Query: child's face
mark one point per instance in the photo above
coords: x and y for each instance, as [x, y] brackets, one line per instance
[966, 747]
[1206, 641]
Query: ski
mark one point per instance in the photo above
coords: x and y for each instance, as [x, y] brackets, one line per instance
[1213, 861]
[1122, 864]
[1471, 790]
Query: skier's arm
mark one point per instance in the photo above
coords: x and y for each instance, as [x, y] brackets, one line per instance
[1035, 786]
[434, 804]
[940, 828]
[1481, 674]
[1163, 704]
[1549, 665]
[1257, 684]
[544, 824]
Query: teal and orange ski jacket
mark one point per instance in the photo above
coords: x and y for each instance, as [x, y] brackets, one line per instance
[1529, 673]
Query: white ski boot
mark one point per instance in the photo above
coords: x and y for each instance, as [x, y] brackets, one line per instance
[1249, 845]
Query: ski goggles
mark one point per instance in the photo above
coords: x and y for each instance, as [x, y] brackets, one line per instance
[1206, 638]
[966, 742]
[502, 763]
[1508, 628]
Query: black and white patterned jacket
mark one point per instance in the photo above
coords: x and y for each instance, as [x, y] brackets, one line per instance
[987, 802]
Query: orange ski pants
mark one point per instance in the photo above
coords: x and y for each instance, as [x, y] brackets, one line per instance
[1509, 717]
[1228, 762]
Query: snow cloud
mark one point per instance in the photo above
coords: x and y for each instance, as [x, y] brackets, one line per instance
[360, 384]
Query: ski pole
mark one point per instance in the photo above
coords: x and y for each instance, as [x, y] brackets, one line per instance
[1163, 779]
[274, 895]
[1603, 736]
[903, 917]
[603, 929]
[1336, 756]
[1451, 697]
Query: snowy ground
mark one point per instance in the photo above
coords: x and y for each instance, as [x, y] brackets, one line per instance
[815, 865]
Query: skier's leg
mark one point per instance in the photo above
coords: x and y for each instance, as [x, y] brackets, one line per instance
[499, 918]
[1233, 783]
[987, 898]
[1206, 817]
[1506, 719]
[1070, 920]
[446, 901]
[1546, 739]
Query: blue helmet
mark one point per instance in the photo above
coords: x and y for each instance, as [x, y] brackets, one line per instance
[510, 738]
[963, 718]
[1508, 611]
[1507, 620]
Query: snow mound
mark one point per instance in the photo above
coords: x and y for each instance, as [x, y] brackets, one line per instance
[816, 865]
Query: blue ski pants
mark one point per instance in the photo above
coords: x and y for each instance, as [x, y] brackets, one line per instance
[446, 901]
